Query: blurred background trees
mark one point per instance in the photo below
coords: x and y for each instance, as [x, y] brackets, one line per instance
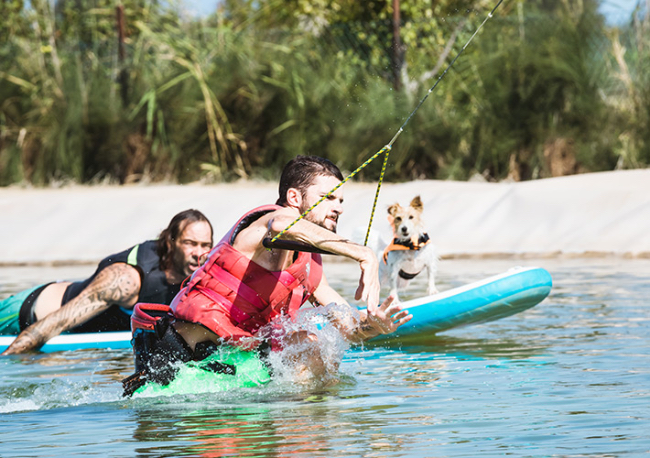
[136, 90]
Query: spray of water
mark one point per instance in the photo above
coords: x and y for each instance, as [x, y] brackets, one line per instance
[312, 346]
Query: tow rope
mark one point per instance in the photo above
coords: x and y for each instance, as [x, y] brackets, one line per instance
[274, 242]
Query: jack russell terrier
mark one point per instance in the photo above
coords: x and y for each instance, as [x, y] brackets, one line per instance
[410, 251]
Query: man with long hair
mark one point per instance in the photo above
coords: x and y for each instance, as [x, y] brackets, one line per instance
[151, 271]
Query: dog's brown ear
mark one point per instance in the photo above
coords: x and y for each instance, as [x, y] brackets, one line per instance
[417, 203]
[393, 209]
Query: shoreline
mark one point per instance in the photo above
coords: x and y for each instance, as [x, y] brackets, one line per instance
[604, 214]
[448, 257]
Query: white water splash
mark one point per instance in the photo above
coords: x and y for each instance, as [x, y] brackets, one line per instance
[60, 392]
[312, 345]
[20, 405]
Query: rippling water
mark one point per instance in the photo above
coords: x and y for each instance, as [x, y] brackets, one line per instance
[570, 378]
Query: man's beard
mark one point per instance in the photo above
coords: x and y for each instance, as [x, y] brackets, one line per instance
[181, 265]
[310, 218]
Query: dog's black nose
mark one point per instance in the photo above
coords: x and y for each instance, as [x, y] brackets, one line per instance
[404, 230]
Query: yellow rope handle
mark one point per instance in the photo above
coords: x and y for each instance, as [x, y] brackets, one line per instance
[374, 204]
[306, 212]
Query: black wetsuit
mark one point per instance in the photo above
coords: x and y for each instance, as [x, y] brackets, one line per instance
[154, 289]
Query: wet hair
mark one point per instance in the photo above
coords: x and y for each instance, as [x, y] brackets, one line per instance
[176, 227]
[299, 173]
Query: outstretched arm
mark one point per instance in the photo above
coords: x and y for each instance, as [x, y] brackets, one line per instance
[312, 234]
[116, 284]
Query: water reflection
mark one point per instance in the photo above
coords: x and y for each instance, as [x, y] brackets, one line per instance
[207, 432]
[281, 426]
[569, 377]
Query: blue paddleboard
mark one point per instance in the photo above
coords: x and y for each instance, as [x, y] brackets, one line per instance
[490, 299]
[63, 342]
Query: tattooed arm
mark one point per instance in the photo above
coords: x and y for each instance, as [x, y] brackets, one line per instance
[116, 284]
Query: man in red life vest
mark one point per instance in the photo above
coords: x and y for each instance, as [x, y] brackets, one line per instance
[243, 287]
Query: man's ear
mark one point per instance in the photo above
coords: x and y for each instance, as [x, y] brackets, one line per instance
[416, 203]
[294, 197]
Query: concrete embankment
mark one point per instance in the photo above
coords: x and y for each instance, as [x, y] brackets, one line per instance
[584, 215]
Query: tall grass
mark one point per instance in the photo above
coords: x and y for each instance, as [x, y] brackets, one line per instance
[235, 95]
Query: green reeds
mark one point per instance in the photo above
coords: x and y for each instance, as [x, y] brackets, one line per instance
[240, 92]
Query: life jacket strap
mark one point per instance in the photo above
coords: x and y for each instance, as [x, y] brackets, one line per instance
[406, 275]
[145, 316]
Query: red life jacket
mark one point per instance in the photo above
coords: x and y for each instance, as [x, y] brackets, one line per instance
[233, 296]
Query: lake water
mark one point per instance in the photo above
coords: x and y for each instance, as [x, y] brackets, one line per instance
[569, 377]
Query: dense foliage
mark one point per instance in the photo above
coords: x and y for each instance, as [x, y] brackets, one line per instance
[130, 90]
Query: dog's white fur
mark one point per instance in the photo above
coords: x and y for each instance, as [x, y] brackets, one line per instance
[408, 225]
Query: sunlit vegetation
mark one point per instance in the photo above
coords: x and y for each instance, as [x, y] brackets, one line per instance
[96, 91]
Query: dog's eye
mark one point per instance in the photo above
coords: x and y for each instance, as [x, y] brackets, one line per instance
[410, 216]
[398, 218]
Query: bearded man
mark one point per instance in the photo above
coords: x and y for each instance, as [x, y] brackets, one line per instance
[244, 288]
